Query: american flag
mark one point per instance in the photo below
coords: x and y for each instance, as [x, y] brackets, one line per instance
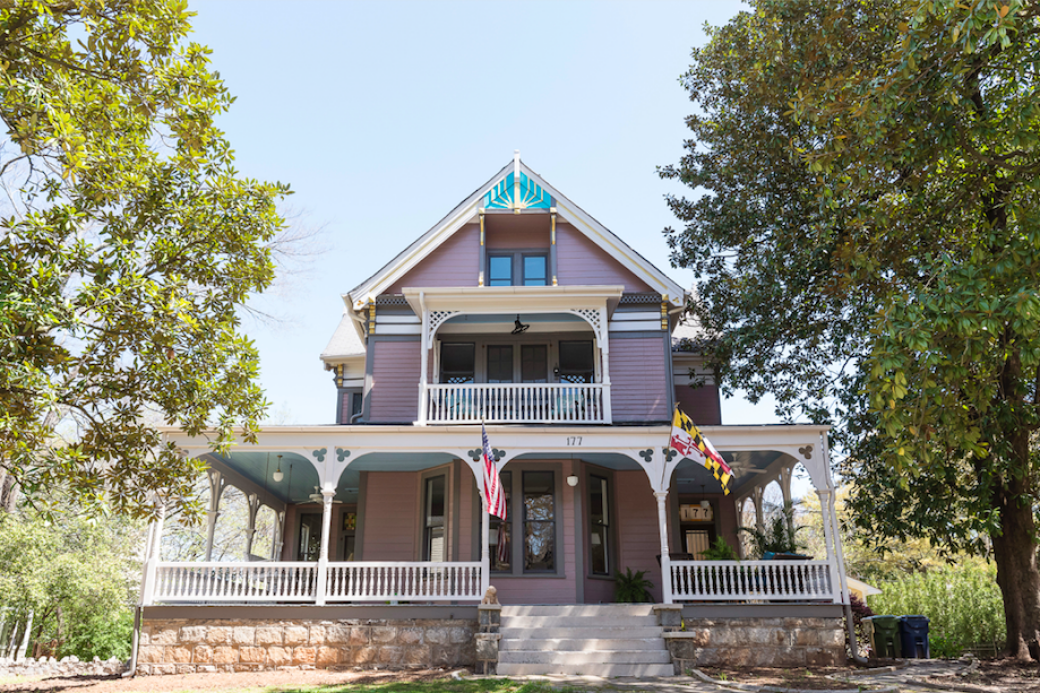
[494, 496]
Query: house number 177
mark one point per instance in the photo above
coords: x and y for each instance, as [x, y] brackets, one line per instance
[573, 441]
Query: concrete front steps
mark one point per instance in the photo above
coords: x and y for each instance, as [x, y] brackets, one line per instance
[597, 640]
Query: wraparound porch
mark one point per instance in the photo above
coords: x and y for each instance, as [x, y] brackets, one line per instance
[329, 453]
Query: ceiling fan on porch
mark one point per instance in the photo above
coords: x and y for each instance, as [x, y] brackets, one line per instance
[742, 465]
[316, 497]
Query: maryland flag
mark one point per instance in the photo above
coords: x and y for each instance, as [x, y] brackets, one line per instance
[688, 441]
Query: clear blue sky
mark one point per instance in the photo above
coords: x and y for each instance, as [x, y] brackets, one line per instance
[383, 115]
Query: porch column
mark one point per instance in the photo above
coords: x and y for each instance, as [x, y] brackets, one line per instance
[276, 539]
[155, 555]
[485, 553]
[785, 488]
[217, 484]
[756, 498]
[666, 563]
[253, 508]
[323, 556]
[607, 412]
[830, 542]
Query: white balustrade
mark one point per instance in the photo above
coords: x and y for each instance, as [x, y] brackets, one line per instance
[767, 581]
[213, 582]
[236, 582]
[517, 403]
[423, 582]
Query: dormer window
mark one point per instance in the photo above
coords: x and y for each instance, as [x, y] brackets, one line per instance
[519, 268]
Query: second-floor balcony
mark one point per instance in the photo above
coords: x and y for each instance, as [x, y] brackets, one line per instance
[469, 403]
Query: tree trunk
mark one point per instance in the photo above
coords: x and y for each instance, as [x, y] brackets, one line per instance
[1017, 573]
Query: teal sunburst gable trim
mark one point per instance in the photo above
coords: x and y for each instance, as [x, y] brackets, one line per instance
[532, 196]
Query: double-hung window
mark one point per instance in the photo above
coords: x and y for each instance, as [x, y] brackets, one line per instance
[518, 268]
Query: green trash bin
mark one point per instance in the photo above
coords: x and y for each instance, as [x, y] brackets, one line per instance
[884, 636]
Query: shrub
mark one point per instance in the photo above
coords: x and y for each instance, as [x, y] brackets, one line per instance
[632, 587]
[962, 603]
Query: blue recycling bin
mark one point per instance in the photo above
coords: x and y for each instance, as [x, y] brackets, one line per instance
[913, 635]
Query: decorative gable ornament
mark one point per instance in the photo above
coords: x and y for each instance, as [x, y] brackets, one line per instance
[517, 192]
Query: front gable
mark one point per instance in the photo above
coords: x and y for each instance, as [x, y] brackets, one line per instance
[449, 253]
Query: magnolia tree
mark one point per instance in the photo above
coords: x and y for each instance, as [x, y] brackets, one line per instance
[128, 241]
[868, 243]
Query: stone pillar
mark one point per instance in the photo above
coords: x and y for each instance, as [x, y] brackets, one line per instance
[666, 563]
[323, 555]
[488, 637]
[217, 483]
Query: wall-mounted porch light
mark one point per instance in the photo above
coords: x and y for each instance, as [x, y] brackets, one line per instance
[572, 480]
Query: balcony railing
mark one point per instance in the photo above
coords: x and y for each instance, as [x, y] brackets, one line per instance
[298, 582]
[756, 581]
[517, 403]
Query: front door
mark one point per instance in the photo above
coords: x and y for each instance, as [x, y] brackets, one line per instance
[309, 544]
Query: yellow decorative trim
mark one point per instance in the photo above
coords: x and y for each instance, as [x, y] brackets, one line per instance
[664, 311]
[371, 317]
[554, 280]
[481, 228]
[552, 234]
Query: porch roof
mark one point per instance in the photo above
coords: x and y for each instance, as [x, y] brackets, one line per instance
[337, 454]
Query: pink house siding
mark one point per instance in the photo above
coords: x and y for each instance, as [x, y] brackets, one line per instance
[580, 261]
[700, 404]
[468, 519]
[391, 504]
[455, 262]
[599, 590]
[639, 383]
[639, 538]
[395, 382]
[517, 232]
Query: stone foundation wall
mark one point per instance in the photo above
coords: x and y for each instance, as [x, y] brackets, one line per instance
[763, 642]
[66, 666]
[182, 646]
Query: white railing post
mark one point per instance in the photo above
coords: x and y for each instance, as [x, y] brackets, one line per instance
[321, 584]
[666, 564]
[152, 564]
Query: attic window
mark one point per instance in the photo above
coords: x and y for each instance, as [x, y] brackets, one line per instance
[518, 269]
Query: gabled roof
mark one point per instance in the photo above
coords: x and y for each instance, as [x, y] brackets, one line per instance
[497, 192]
[345, 342]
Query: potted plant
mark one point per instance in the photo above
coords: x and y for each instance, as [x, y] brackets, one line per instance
[719, 551]
[777, 539]
[631, 588]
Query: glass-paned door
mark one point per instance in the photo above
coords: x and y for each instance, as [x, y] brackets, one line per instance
[534, 363]
[539, 523]
[500, 363]
[309, 548]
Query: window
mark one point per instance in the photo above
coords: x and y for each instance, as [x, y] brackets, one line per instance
[500, 536]
[356, 401]
[499, 363]
[539, 522]
[433, 521]
[576, 362]
[535, 267]
[599, 526]
[457, 363]
[500, 270]
[518, 268]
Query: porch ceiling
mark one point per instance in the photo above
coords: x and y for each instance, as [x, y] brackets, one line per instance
[299, 477]
[749, 467]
